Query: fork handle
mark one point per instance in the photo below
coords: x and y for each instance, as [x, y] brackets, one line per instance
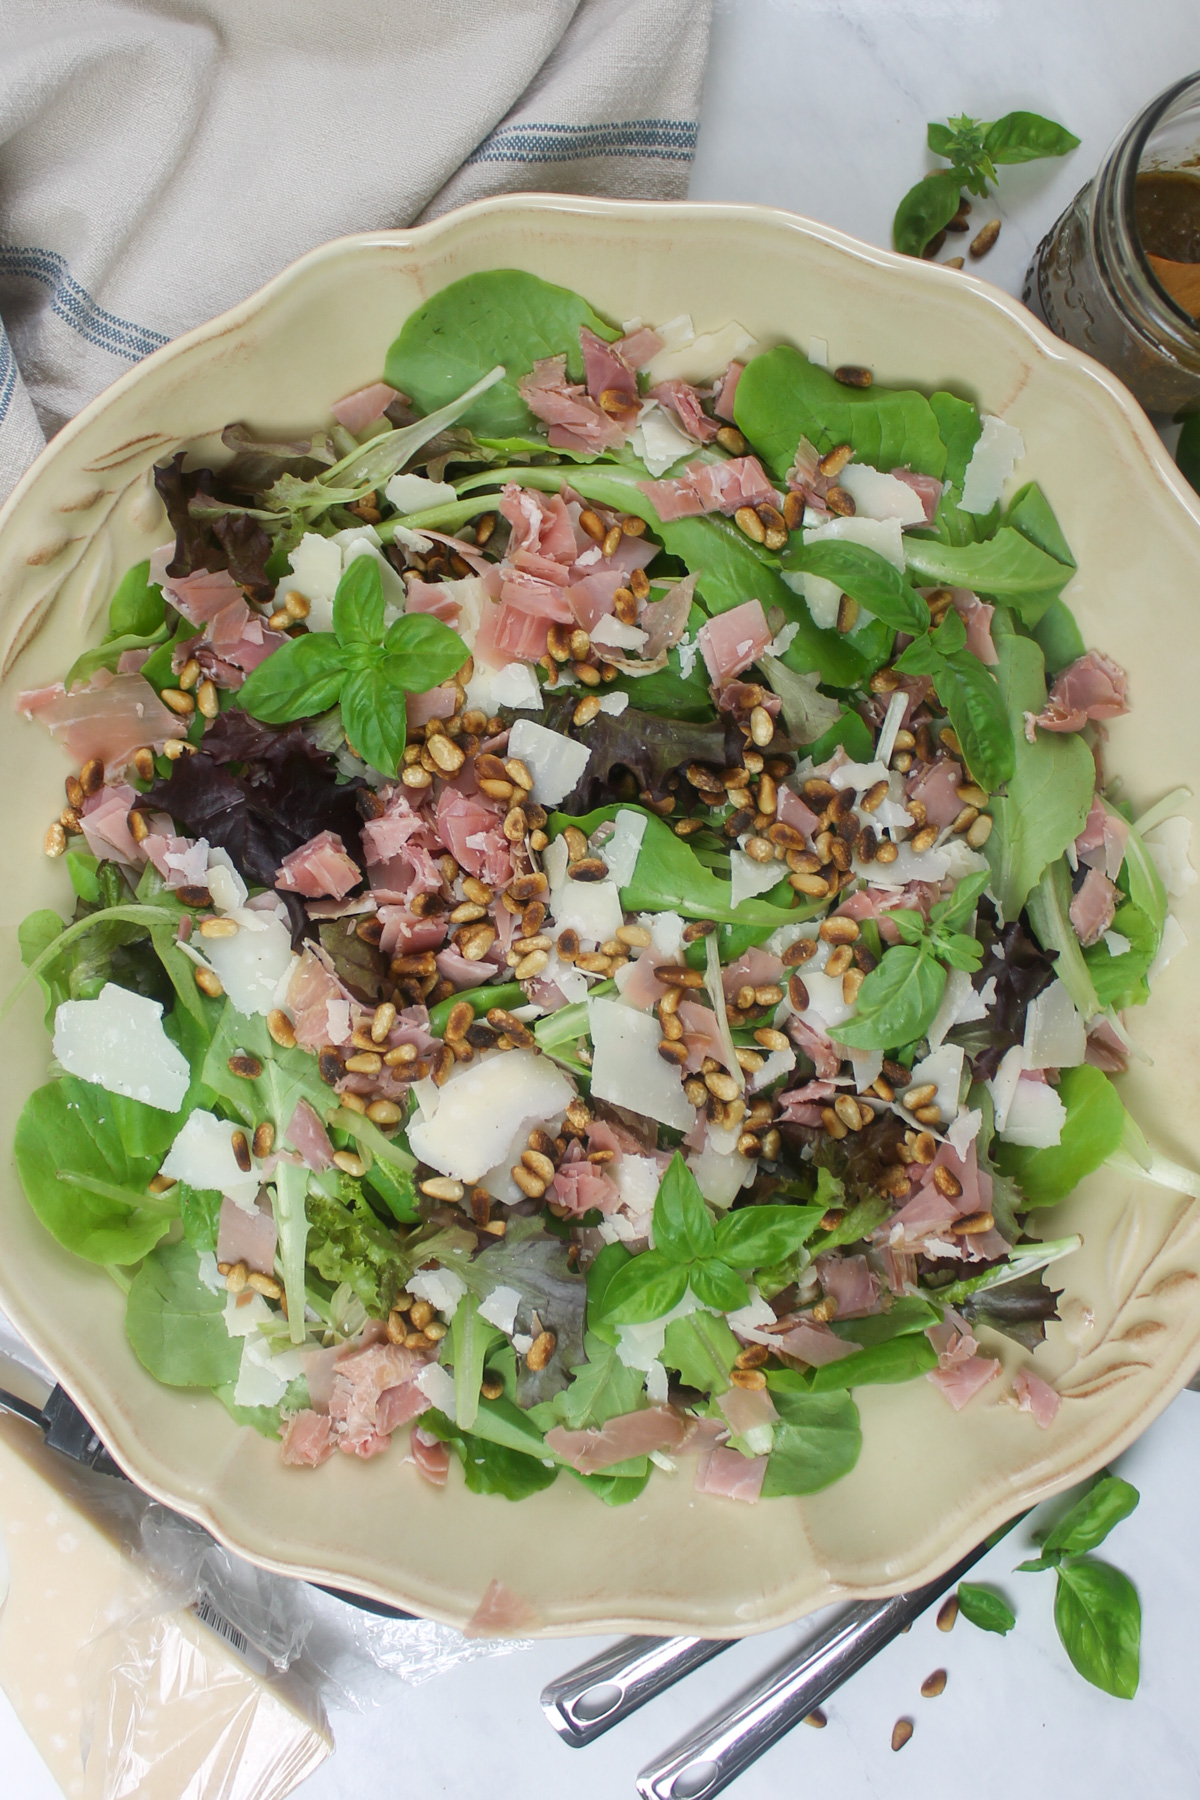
[589, 1700]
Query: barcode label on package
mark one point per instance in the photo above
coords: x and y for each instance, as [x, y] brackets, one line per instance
[211, 1615]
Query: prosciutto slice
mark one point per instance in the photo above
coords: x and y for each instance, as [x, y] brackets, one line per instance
[306, 1133]
[320, 867]
[732, 640]
[976, 615]
[730, 1475]
[962, 1382]
[1102, 842]
[575, 420]
[580, 1186]
[605, 369]
[1033, 1395]
[723, 404]
[681, 399]
[308, 1439]
[1093, 687]
[711, 487]
[1094, 907]
[247, 1237]
[364, 406]
[105, 823]
[849, 1281]
[471, 828]
[630, 1434]
[110, 718]
[431, 1456]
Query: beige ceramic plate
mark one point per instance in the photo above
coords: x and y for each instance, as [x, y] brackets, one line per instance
[930, 1482]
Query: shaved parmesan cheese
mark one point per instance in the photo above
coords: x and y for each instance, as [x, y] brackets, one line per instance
[441, 1287]
[515, 686]
[637, 1184]
[1003, 1084]
[689, 650]
[677, 333]
[228, 890]
[886, 741]
[252, 964]
[881, 535]
[364, 541]
[880, 496]
[202, 1155]
[780, 1062]
[867, 1066]
[316, 565]
[622, 849]
[657, 441]
[244, 1320]
[716, 993]
[592, 908]
[944, 1068]
[640, 1345]
[1168, 845]
[959, 1003]
[818, 352]
[626, 1067]
[1055, 1037]
[910, 865]
[721, 1177]
[614, 704]
[858, 775]
[117, 1041]
[963, 1132]
[1115, 944]
[263, 1377]
[827, 1007]
[476, 1114]
[698, 357]
[756, 1313]
[748, 877]
[657, 1389]
[437, 1387]
[997, 449]
[500, 1309]
[413, 493]
[555, 762]
[1035, 1118]
[1174, 940]
[961, 860]
[666, 933]
[781, 644]
[610, 632]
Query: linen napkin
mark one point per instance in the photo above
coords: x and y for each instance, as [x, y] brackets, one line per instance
[161, 159]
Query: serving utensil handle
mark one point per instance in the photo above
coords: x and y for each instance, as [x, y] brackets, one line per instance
[700, 1765]
[589, 1700]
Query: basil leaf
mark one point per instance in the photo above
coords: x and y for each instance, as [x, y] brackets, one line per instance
[358, 603]
[782, 397]
[501, 316]
[644, 1288]
[176, 1325]
[303, 677]
[1090, 1520]
[868, 578]
[137, 608]
[432, 653]
[897, 1001]
[1092, 1131]
[683, 1228]
[1007, 566]
[757, 1235]
[714, 1284]
[703, 1350]
[1026, 137]
[1049, 793]
[818, 1439]
[950, 636]
[1058, 636]
[927, 207]
[1099, 1620]
[985, 1608]
[374, 718]
[978, 714]
[957, 910]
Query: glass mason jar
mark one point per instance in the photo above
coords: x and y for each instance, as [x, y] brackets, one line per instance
[1090, 280]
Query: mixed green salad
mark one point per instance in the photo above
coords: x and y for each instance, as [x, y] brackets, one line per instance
[599, 923]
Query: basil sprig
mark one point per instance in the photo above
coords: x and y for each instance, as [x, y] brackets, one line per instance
[690, 1251]
[972, 698]
[1096, 1608]
[973, 148]
[898, 1000]
[362, 666]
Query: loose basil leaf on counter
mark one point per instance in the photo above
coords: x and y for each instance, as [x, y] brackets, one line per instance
[985, 1608]
[868, 578]
[1088, 1522]
[782, 397]
[1027, 137]
[926, 209]
[500, 316]
[1099, 1620]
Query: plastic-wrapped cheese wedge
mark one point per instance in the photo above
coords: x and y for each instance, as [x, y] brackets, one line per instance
[173, 1708]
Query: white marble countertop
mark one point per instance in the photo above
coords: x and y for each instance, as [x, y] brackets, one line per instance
[820, 107]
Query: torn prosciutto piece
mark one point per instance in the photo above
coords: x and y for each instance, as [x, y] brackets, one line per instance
[1092, 687]
[321, 867]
